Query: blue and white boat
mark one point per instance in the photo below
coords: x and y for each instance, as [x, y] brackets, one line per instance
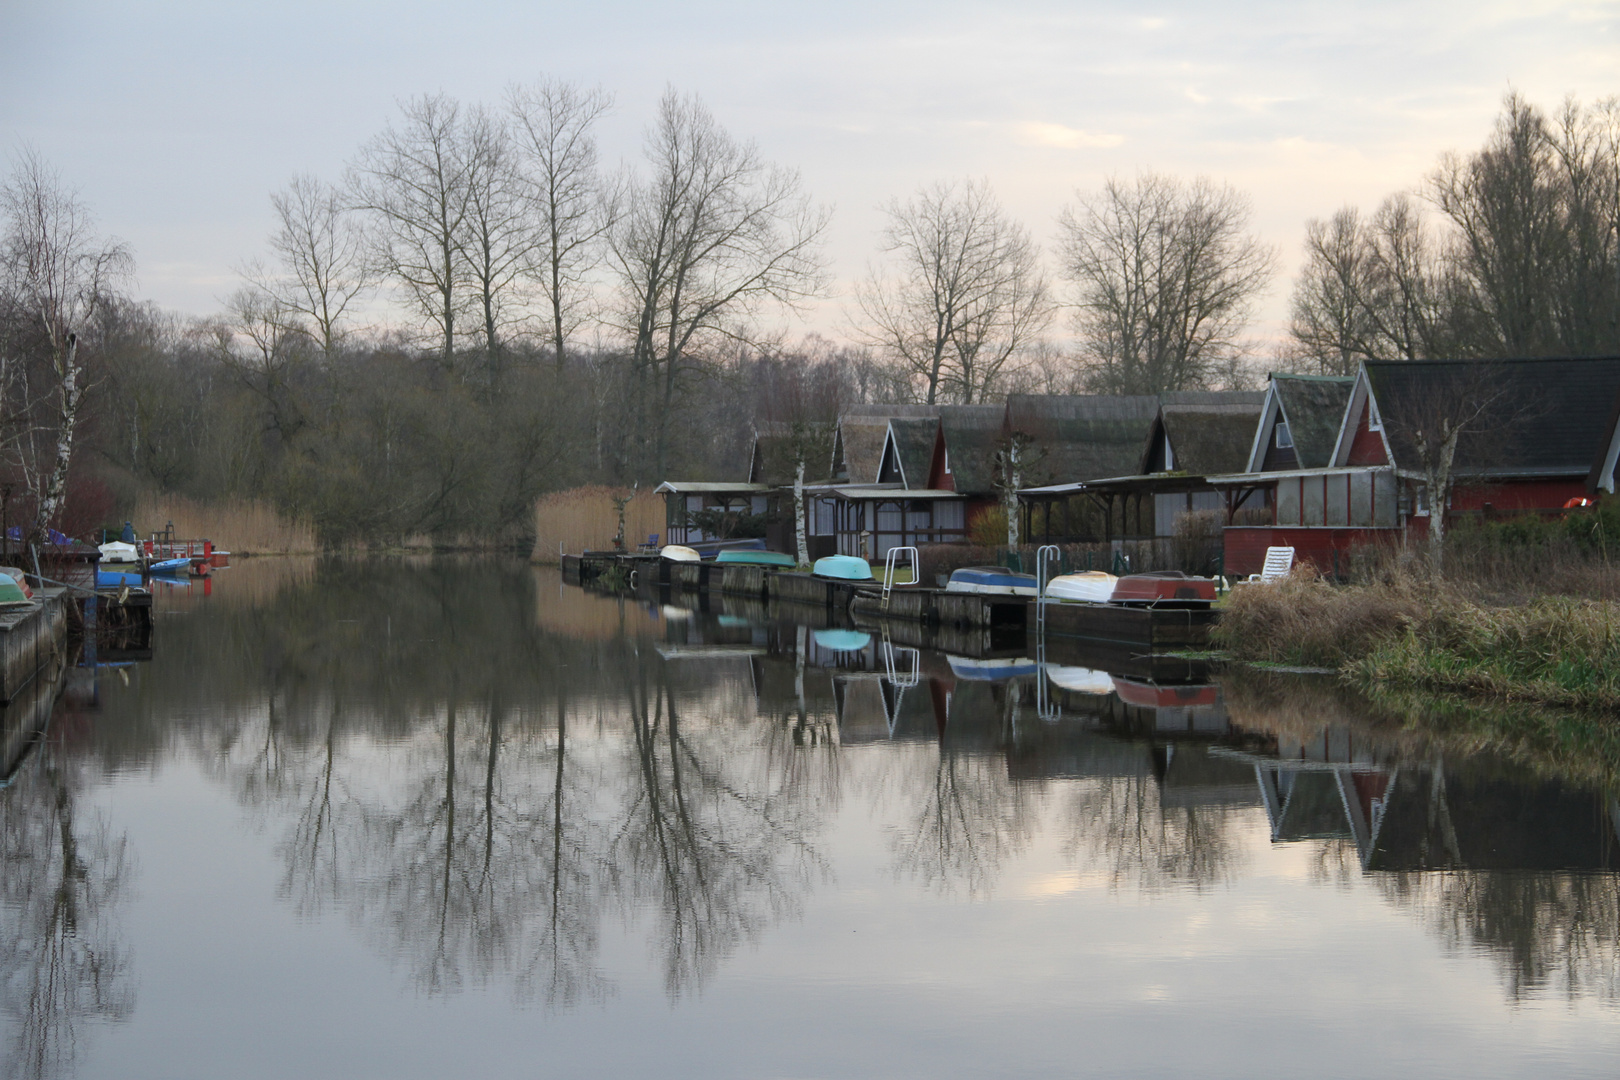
[992, 670]
[991, 580]
[170, 566]
[843, 568]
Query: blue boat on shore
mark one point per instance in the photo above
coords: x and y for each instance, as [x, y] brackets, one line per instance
[843, 568]
[991, 580]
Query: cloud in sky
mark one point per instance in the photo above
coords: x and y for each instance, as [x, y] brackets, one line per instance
[1034, 133]
[177, 119]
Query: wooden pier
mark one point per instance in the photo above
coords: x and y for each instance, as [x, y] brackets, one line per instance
[1138, 629]
[32, 639]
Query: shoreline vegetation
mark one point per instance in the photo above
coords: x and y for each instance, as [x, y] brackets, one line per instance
[1527, 611]
[254, 528]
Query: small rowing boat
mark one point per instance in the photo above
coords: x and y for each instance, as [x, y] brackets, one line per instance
[170, 566]
[841, 640]
[679, 553]
[755, 558]
[991, 580]
[1091, 587]
[1082, 680]
[843, 568]
[1166, 588]
[993, 670]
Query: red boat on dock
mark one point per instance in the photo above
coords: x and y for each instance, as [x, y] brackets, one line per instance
[1166, 588]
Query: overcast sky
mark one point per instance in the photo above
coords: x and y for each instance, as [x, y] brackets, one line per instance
[175, 120]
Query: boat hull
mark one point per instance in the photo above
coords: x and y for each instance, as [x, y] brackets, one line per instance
[1167, 589]
[755, 558]
[1091, 587]
[679, 553]
[843, 568]
[991, 581]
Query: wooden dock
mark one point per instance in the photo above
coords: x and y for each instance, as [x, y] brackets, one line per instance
[32, 639]
[1142, 629]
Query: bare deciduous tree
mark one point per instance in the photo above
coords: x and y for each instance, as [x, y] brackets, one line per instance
[57, 275]
[1163, 274]
[966, 293]
[498, 241]
[553, 124]
[1378, 289]
[322, 259]
[708, 238]
[415, 180]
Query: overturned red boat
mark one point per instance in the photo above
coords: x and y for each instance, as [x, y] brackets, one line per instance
[1166, 588]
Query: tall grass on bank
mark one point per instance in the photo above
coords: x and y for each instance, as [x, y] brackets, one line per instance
[1305, 621]
[584, 518]
[1408, 631]
[240, 526]
[1554, 650]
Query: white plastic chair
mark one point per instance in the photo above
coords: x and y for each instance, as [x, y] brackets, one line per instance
[1279, 561]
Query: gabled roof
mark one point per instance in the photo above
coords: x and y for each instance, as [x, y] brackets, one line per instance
[912, 441]
[862, 432]
[1082, 436]
[1314, 408]
[1211, 435]
[1544, 417]
[773, 460]
[972, 437]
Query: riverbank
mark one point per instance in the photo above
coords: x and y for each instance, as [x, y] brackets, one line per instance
[1406, 632]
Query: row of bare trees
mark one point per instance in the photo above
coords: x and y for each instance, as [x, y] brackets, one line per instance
[1512, 251]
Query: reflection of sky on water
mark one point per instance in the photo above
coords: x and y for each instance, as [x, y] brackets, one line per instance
[338, 829]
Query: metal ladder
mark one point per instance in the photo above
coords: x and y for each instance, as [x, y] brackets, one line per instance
[1045, 556]
[1045, 708]
[891, 565]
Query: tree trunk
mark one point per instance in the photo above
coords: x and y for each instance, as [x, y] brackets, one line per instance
[51, 496]
[1010, 498]
[800, 532]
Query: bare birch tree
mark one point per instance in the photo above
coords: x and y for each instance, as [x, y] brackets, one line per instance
[57, 275]
[964, 293]
[414, 181]
[1164, 274]
[553, 125]
[710, 236]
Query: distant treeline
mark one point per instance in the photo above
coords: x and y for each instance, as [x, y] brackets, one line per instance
[554, 323]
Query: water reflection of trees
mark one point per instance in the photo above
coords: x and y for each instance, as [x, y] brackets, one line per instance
[1557, 932]
[63, 874]
[480, 797]
[723, 855]
[965, 818]
[1122, 825]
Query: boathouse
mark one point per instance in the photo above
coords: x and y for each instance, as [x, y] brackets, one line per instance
[1338, 462]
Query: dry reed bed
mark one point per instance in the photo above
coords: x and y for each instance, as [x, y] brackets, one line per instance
[584, 518]
[240, 526]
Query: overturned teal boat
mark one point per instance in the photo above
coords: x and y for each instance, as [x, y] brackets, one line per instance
[755, 558]
[843, 568]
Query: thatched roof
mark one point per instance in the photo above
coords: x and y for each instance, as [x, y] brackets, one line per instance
[973, 434]
[1543, 417]
[914, 441]
[1081, 436]
[1212, 434]
[1314, 406]
[774, 458]
[862, 430]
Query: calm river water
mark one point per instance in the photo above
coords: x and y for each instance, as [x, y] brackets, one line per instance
[456, 818]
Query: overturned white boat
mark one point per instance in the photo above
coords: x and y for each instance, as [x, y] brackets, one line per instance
[1090, 587]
